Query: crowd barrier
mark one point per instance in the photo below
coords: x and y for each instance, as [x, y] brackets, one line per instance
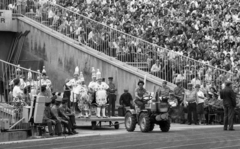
[11, 109]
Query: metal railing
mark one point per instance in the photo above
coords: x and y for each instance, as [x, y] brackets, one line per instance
[168, 64]
[18, 85]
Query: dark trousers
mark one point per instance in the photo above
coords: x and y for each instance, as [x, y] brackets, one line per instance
[192, 110]
[228, 116]
[111, 107]
[181, 113]
[58, 127]
[140, 104]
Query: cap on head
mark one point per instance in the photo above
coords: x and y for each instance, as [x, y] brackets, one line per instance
[197, 86]
[228, 83]
[140, 82]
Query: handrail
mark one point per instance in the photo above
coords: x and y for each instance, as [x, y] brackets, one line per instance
[18, 66]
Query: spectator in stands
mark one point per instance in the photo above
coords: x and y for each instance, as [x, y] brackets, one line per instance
[156, 68]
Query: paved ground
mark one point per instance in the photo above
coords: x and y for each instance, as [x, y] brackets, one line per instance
[179, 137]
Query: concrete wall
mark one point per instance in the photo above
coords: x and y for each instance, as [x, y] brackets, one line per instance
[61, 55]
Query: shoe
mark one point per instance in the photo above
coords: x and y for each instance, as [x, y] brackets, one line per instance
[75, 132]
[231, 129]
[98, 116]
[65, 132]
[70, 133]
[189, 123]
[104, 117]
[225, 129]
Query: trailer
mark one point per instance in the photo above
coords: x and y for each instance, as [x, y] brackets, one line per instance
[97, 122]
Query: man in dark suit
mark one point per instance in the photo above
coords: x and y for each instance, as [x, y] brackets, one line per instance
[229, 103]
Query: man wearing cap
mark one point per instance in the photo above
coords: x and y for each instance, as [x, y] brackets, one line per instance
[111, 97]
[190, 100]
[126, 99]
[49, 119]
[179, 94]
[67, 112]
[229, 103]
[58, 114]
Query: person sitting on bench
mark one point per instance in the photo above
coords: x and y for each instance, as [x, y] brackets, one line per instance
[66, 111]
[50, 120]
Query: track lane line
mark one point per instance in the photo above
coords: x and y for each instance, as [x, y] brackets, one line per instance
[154, 141]
[226, 147]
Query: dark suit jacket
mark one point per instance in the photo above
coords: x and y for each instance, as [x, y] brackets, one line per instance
[228, 96]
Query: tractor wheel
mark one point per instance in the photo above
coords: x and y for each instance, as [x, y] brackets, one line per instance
[165, 126]
[151, 127]
[144, 122]
[130, 122]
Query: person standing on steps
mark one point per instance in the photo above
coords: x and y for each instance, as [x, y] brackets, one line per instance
[229, 103]
[190, 100]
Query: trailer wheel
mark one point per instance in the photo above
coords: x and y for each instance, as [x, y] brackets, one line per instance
[94, 125]
[116, 125]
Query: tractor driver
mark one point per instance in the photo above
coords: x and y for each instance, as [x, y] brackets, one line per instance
[140, 91]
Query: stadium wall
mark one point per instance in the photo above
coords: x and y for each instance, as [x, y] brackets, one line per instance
[61, 55]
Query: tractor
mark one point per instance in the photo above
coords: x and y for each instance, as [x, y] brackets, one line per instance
[155, 112]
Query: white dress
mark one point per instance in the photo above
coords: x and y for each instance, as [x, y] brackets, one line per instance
[83, 97]
[101, 93]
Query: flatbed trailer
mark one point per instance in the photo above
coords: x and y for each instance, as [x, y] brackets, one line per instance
[97, 122]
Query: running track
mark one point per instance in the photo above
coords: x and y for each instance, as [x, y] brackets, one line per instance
[204, 138]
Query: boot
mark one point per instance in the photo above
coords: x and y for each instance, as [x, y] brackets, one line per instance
[98, 112]
[103, 112]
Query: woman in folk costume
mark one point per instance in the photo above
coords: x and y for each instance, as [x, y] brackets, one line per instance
[30, 82]
[83, 98]
[45, 81]
[73, 85]
[101, 95]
